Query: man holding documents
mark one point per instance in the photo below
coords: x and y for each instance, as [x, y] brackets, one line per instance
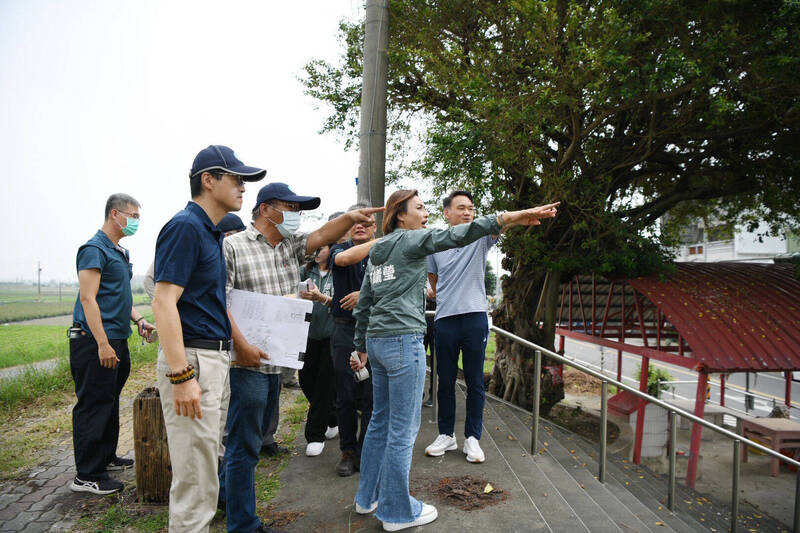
[264, 258]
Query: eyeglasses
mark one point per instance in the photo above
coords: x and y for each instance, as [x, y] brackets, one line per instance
[132, 215]
[238, 180]
[285, 207]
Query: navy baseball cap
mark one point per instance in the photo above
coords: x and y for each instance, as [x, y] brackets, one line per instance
[218, 157]
[281, 191]
[230, 222]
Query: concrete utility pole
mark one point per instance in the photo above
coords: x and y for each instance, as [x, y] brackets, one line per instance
[39, 280]
[372, 161]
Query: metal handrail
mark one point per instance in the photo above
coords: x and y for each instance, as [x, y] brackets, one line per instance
[738, 440]
[733, 392]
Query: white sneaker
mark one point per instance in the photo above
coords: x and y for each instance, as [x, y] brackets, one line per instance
[332, 432]
[473, 450]
[368, 510]
[428, 515]
[443, 443]
[314, 448]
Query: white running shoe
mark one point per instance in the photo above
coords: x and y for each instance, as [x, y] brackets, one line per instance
[428, 515]
[332, 432]
[473, 450]
[314, 448]
[443, 443]
[367, 510]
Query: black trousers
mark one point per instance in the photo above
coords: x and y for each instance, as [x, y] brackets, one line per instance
[429, 344]
[351, 397]
[317, 379]
[95, 417]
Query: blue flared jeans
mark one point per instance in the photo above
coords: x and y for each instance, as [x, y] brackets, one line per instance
[398, 377]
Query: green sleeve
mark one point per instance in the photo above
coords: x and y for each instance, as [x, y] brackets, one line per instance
[429, 241]
[362, 311]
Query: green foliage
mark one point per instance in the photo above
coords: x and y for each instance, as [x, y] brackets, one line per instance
[490, 280]
[655, 378]
[624, 111]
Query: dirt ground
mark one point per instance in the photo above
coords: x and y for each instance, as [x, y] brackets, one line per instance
[468, 493]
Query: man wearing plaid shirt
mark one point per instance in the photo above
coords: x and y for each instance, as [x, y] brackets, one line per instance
[264, 258]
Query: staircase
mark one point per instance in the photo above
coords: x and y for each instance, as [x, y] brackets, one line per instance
[560, 482]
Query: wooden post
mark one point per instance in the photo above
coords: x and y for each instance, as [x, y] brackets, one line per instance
[153, 467]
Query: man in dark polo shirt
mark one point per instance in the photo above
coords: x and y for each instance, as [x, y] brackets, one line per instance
[98, 348]
[191, 313]
[351, 396]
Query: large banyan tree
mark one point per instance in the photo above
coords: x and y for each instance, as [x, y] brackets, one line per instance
[624, 110]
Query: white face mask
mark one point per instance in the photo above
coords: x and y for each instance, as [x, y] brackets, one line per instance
[290, 224]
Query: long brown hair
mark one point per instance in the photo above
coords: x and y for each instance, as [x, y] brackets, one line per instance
[397, 204]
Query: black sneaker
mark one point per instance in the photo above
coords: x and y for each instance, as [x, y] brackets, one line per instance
[273, 449]
[119, 463]
[266, 529]
[100, 486]
[347, 464]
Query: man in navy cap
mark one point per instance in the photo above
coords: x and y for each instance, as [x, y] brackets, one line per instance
[264, 258]
[191, 313]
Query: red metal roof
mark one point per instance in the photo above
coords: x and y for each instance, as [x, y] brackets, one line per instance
[735, 316]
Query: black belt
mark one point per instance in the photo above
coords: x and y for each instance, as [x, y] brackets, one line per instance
[208, 344]
[344, 320]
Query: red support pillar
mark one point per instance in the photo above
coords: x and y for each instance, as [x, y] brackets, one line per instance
[722, 389]
[788, 396]
[561, 344]
[621, 332]
[694, 448]
[637, 443]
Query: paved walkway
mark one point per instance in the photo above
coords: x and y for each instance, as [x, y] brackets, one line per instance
[43, 501]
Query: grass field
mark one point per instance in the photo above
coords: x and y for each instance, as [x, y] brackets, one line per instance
[22, 301]
[21, 345]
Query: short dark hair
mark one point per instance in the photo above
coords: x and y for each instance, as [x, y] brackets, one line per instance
[120, 200]
[447, 201]
[196, 182]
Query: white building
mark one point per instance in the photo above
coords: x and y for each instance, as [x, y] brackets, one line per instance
[716, 245]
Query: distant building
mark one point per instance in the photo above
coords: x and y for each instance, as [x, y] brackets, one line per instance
[722, 243]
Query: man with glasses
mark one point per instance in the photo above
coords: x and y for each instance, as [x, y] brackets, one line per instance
[191, 312]
[98, 347]
[460, 325]
[264, 258]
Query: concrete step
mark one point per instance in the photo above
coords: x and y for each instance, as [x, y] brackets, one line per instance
[631, 490]
[544, 493]
[628, 516]
[693, 508]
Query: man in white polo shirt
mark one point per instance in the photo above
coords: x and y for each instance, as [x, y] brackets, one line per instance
[461, 326]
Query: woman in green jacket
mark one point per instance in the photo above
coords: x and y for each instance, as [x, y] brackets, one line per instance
[390, 326]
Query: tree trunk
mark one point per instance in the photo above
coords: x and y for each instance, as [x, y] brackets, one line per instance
[530, 304]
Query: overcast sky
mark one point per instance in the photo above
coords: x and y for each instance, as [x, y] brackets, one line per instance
[98, 97]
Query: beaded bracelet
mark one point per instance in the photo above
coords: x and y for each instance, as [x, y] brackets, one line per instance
[176, 377]
[176, 381]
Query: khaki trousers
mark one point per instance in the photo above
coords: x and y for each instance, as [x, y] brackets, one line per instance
[193, 443]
